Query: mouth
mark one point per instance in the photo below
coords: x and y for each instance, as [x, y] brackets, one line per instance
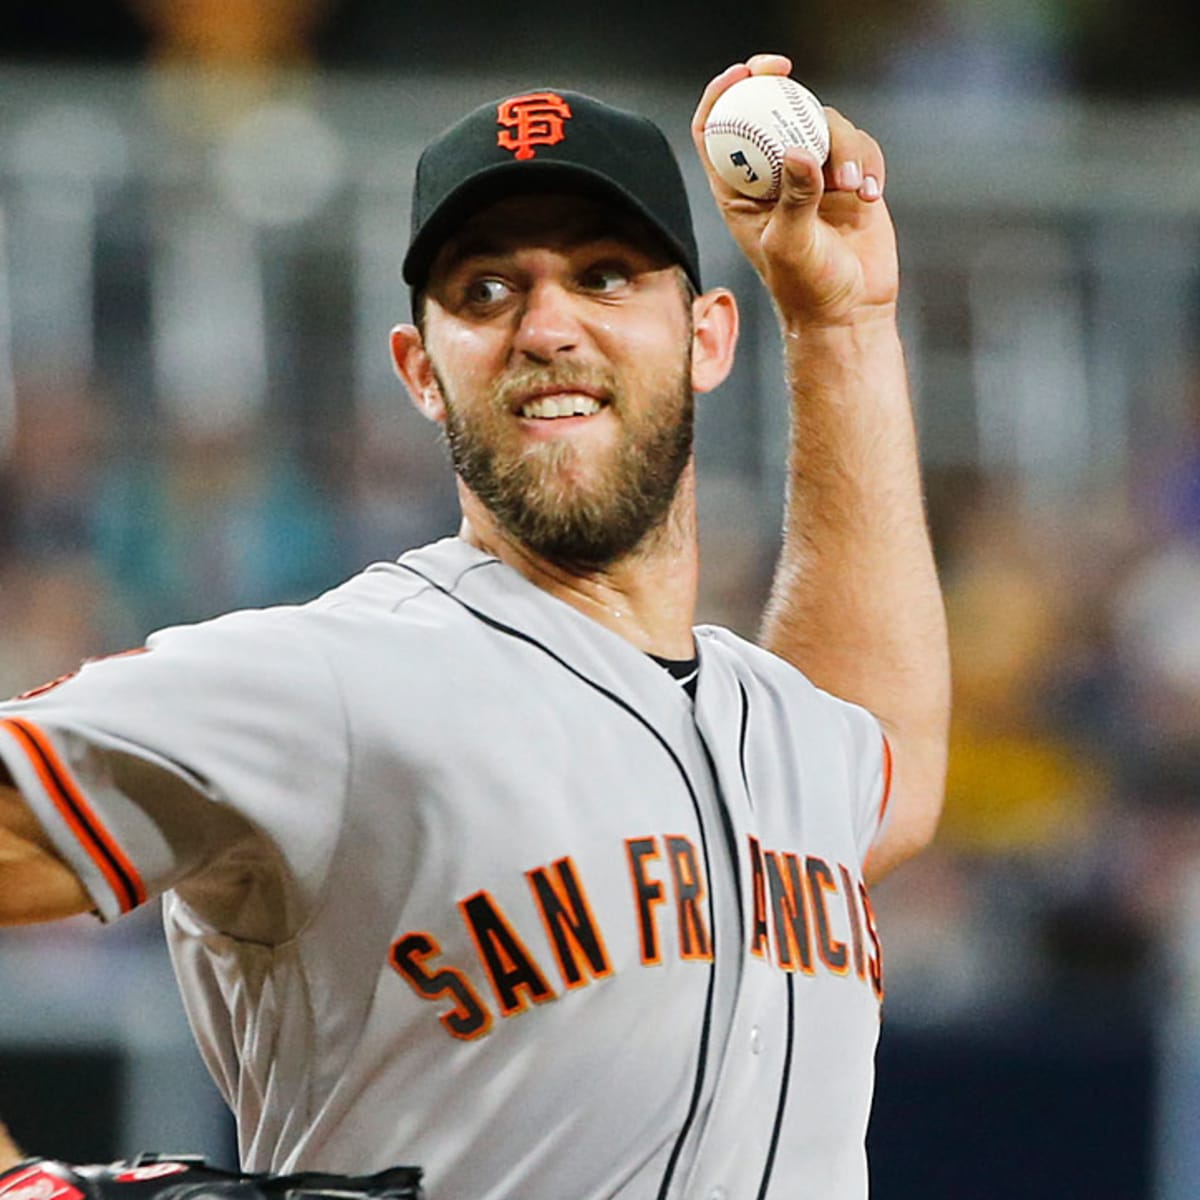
[552, 406]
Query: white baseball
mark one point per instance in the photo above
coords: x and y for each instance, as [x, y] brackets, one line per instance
[754, 122]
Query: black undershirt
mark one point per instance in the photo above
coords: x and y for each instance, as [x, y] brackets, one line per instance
[685, 670]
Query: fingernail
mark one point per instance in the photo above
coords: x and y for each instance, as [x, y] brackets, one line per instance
[849, 176]
[870, 189]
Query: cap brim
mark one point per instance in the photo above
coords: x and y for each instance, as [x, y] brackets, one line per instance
[498, 181]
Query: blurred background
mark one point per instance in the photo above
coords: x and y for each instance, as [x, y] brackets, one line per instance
[203, 205]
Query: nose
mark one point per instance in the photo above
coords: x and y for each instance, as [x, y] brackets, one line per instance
[548, 325]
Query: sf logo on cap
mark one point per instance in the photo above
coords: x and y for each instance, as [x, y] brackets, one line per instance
[532, 120]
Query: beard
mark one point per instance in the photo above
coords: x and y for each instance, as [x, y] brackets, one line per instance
[541, 494]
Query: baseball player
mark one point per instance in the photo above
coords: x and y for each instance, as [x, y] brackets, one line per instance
[490, 860]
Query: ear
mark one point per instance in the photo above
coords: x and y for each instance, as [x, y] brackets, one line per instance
[415, 368]
[714, 338]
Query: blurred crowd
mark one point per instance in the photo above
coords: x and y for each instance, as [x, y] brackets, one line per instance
[1072, 824]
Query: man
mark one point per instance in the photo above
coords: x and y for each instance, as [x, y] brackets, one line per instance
[458, 873]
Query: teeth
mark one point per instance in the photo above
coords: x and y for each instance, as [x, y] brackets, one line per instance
[568, 405]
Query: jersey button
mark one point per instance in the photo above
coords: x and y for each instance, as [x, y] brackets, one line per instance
[718, 1193]
[755, 1040]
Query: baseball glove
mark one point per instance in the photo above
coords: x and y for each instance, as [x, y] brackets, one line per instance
[186, 1177]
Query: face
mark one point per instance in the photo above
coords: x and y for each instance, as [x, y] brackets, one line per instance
[560, 344]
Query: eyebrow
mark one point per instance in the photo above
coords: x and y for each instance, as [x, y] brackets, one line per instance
[476, 246]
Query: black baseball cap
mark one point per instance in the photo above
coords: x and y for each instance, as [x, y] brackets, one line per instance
[548, 141]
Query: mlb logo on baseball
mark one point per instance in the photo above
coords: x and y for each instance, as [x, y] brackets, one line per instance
[751, 126]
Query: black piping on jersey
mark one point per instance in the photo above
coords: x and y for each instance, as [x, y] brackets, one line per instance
[790, 1040]
[727, 829]
[706, 1027]
[784, 1081]
[91, 836]
[742, 742]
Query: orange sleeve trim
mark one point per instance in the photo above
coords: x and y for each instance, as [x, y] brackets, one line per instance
[887, 777]
[64, 792]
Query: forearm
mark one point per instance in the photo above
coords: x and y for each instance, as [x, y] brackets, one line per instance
[855, 602]
[35, 884]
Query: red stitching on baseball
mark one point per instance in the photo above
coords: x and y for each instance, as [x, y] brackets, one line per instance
[755, 136]
[802, 107]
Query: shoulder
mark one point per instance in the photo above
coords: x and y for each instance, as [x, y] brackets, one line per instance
[770, 679]
[406, 587]
[390, 624]
[419, 578]
[750, 662]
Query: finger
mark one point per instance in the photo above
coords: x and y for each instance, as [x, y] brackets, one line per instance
[874, 170]
[803, 183]
[708, 98]
[769, 64]
[855, 162]
[756, 64]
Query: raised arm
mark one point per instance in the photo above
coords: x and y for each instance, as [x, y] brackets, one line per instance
[35, 884]
[855, 602]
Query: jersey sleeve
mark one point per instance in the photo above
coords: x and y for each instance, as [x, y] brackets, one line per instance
[850, 742]
[212, 761]
[869, 768]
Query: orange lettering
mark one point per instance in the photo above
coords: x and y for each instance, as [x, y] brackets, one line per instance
[536, 119]
[758, 931]
[875, 965]
[569, 922]
[793, 945]
[820, 881]
[514, 975]
[468, 1018]
[694, 940]
[647, 893]
[856, 934]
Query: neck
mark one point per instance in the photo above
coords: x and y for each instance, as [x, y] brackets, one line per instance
[647, 597]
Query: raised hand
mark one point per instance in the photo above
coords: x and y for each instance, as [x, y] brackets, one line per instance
[825, 248]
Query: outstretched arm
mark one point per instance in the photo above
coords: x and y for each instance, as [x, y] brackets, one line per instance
[855, 602]
[35, 884]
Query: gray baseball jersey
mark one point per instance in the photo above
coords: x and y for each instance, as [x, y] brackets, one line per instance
[455, 876]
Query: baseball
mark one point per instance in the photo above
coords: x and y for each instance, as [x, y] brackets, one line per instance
[753, 123]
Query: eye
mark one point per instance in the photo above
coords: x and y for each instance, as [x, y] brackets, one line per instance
[606, 277]
[484, 291]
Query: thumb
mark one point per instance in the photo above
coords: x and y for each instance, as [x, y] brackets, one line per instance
[803, 183]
